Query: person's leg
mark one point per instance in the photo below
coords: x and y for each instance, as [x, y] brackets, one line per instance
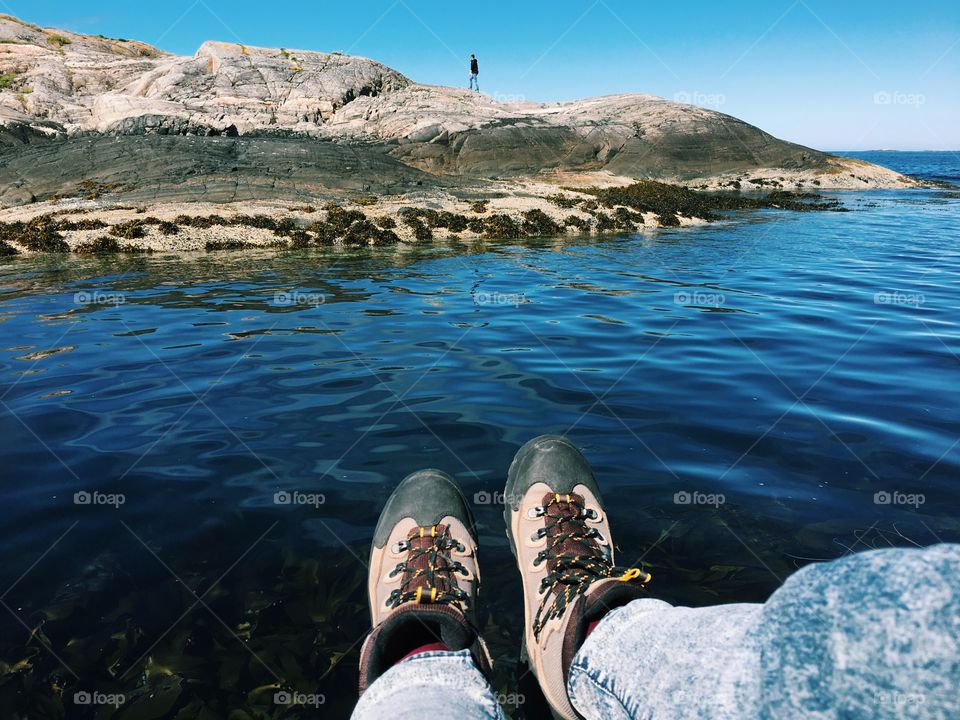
[650, 659]
[434, 684]
[871, 635]
[424, 654]
[875, 635]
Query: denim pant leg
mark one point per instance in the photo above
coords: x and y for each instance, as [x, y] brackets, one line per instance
[873, 635]
[431, 685]
[652, 660]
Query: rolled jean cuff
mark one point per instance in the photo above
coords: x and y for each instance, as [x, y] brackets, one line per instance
[435, 684]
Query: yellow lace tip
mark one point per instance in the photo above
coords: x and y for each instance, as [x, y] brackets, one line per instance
[421, 532]
[433, 531]
[433, 594]
[568, 499]
[556, 497]
[635, 573]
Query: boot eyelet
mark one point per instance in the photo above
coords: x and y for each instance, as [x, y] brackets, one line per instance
[465, 572]
[536, 512]
[400, 547]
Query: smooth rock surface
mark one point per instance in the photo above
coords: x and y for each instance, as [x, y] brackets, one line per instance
[60, 86]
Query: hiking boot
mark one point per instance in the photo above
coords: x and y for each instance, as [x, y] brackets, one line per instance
[423, 576]
[559, 533]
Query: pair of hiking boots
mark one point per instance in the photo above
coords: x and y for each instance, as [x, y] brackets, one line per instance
[424, 574]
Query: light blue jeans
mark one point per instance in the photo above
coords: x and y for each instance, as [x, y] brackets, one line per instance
[474, 82]
[873, 635]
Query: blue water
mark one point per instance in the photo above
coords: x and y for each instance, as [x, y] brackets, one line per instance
[794, 364]
[942, 166]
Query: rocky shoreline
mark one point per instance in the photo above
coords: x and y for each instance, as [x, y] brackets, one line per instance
[111, 145]
[87, 226]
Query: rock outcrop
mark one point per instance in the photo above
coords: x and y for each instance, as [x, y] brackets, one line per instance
[63, 93]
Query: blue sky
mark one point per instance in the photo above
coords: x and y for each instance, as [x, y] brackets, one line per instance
[849, 75]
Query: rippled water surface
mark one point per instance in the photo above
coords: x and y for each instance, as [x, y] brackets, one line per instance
[781, 368]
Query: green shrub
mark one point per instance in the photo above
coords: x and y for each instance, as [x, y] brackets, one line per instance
[537, 223]
[130, 230]
[201, 222]
[502, 226]
[563, 201]
[84, 224]
[453, 221]
[342, 219]
[38, 235]
[103, 244]
[364, 232]
[299, 239]
[605, 223]
[261, 222]
[668, 201]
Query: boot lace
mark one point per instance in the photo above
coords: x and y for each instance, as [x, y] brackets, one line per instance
[574, 555]
[430, 574]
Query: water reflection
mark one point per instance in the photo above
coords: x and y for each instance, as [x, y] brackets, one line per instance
[748, 358]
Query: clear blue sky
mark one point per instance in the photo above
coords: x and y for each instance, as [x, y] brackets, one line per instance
[832, 74]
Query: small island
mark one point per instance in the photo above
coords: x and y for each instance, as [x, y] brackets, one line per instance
[111, 145]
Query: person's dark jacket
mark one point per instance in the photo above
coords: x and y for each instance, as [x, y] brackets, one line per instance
[474, 67]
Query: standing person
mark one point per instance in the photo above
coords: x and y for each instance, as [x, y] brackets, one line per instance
[474, 73]
[870, 635]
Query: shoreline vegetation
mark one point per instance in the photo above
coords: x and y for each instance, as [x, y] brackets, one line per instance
[113, 146]
[367, 220]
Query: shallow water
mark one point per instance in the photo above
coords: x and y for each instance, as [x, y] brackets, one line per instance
[780, 369]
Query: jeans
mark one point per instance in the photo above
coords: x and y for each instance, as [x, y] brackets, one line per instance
[872, 635]
[475, 82]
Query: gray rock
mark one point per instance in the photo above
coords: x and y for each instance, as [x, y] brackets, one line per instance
[64, 86]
